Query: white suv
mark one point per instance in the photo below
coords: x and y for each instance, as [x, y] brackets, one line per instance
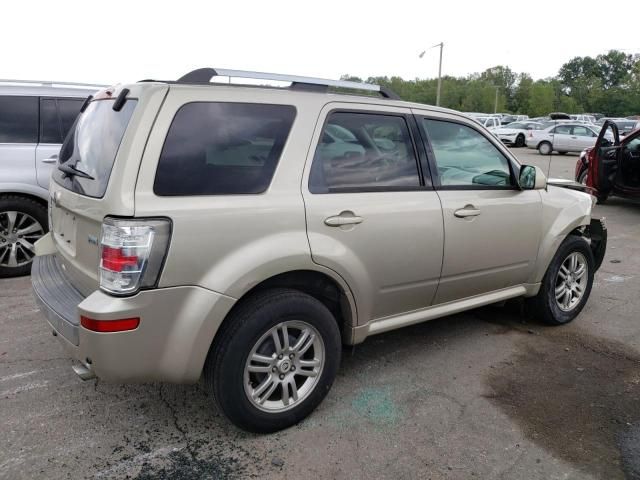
[34, 120]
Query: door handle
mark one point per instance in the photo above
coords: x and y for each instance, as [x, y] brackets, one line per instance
[51, 159]
[345, 218]
[467, 211]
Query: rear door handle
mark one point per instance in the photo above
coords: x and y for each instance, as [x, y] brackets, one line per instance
[51, 159]
[467, 211]
[345, 218]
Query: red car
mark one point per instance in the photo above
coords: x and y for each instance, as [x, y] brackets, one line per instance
[611, 168]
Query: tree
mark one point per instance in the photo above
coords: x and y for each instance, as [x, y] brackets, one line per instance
[608, 83]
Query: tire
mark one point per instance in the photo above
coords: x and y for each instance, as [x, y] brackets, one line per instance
[519, 141]
[19, 214]
[582, 178]
[562, 153]
[247, 332]
[544, 306]
[545, 148]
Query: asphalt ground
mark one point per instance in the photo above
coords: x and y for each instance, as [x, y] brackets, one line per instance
[487, 394]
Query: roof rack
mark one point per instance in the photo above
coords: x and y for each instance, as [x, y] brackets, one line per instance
[204, 75]
[50, 83]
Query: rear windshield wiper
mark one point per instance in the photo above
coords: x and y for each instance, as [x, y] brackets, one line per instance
[71, 171]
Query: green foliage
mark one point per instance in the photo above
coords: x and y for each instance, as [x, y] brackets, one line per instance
[608, 84]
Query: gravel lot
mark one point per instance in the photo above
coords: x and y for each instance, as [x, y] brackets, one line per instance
[485, 394]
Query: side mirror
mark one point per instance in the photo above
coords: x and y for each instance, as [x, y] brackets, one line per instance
[532, 178]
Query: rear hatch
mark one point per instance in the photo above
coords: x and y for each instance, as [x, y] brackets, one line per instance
[96, 175]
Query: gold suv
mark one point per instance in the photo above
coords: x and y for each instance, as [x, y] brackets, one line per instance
[244, 233]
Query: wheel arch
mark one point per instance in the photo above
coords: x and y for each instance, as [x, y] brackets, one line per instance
[24, 194]
[332, 292]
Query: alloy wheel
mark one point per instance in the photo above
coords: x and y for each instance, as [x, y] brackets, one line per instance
[284, 366]
[571, 281]
[18, 233]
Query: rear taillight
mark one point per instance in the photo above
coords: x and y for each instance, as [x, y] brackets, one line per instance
[132, 252]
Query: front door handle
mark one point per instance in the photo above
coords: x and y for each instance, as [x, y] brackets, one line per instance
[51, 159]
[345, 218]
[467, 211]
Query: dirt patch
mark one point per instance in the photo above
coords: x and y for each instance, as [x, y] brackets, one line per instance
[577, 396]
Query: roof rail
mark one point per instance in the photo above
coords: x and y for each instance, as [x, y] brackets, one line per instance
[204, 75]
[50, 83]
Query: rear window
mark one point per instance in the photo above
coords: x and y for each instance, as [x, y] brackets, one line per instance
[91, 146]
[216, 148]
[18, 119]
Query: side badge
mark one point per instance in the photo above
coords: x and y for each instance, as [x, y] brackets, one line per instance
[92, 239]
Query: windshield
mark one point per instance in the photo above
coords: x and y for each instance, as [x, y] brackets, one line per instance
[91, 147]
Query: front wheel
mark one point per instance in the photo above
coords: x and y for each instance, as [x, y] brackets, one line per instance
[274, 360]
[567, 283]
[545, 148]
[582, 178]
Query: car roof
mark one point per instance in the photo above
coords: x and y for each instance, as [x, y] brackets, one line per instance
[46, 88]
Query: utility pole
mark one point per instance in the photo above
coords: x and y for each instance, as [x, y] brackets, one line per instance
[495, 106]
[441, 45]
[439, 76]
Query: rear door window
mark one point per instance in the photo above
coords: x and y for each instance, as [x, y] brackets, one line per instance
[364, 152]
[49, 121]
[217, 148]
[68, 110]
[92, 146]
[56, 118]
[18, 119]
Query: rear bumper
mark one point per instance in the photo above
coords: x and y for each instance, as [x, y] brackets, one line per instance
[177, 326]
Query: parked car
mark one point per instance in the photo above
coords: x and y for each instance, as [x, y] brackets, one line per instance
[515, 133]
[507, 119]
[489, 122]
[34, 119]
[612, 166]
[584, 118]
[213, 234]
[562, 137]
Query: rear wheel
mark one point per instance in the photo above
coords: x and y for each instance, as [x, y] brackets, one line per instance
[567, 283]
[545, 148]
[22, 222]
[520, 141]
[274, 360]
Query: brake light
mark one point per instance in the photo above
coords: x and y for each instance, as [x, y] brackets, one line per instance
[110, 326]
[132, 252]
[115, 260]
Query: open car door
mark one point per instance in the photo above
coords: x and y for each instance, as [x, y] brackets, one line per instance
[604, 160]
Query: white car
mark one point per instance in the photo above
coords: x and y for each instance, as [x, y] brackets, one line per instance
[515, 133]
[489, 122]
[563, 138]
[584, 118]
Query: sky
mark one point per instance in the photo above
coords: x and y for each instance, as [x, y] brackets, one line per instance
[117, 41]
